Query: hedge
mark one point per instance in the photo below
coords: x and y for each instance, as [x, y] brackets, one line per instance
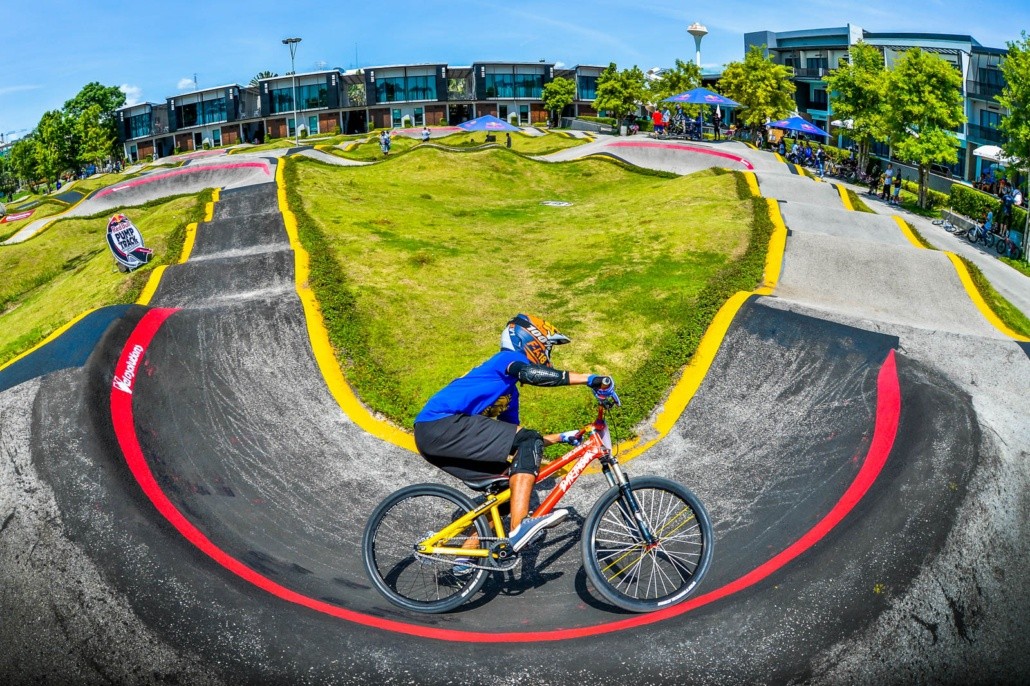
[975, 204]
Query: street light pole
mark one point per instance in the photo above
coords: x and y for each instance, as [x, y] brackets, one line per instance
[292, 43]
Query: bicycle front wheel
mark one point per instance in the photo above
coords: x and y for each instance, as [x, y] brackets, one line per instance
[628, 571]
[421, 583]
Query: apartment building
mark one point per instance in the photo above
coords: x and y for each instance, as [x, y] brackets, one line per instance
[323, 102]
[813, 53]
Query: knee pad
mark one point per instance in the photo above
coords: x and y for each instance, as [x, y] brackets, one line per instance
[527, 450]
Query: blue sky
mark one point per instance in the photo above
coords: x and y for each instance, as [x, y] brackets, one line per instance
[49, 49]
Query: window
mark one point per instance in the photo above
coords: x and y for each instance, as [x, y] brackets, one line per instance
[419, 117]
[819, 96]
[816, 63]
[139, 125]
[396, 118]
[309, 97]
[990, 119]
[587, 87]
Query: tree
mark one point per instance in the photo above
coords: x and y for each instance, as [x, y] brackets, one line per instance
[923, 107]
[96, 141]
[762, 87]
[97, 98]
[23, 160]
[857, 92]
[683, 77]
[619, 93]
[8, 179]
[1015, 125]
[557, 95]
[261, 75]
[54, 145]
[108, 98]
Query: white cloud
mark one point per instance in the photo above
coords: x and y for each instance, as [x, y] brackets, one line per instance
[559, 65]
[7, 90]
[186, 84]
[133, 94]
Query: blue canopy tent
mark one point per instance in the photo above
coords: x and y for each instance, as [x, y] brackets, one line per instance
[702, 96]
[796, 123]
[487, 122]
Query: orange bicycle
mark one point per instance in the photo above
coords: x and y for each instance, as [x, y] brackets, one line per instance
[646, 543]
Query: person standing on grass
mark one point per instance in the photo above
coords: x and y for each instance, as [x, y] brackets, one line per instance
[897, 189]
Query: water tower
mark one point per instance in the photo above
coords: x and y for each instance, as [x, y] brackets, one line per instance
[698, 31]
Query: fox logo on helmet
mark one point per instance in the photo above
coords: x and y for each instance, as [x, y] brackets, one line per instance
[533, 336]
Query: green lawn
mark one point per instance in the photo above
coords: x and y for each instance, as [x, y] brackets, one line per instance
[528, 145]
[418, 262]
[68, 270]
[45, 209]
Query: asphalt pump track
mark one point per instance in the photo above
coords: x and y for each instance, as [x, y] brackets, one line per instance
[200, 497]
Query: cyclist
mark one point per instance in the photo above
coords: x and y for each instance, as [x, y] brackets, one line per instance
[470, 428]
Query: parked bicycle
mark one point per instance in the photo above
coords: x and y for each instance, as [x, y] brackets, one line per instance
[982, 233]
[1008, 246]
[646, 543]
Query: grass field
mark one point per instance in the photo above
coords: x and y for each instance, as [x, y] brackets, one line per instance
[527, 145]
[68, 270]
[420, 261]
[46, 208]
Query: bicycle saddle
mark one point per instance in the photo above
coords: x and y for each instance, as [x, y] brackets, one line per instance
[491, 484]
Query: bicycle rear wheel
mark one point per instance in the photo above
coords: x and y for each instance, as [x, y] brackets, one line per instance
[627, 571]
[416, 582]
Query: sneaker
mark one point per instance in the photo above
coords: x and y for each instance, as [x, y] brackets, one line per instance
[462, 566]
[531, 526]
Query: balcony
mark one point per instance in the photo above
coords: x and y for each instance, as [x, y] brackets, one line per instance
[982, 90]
[805, 73]
[984, 133]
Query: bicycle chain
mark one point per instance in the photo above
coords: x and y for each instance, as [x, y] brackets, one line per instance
[468, 562]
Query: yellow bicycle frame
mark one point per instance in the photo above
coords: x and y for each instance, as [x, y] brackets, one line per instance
[590, 449]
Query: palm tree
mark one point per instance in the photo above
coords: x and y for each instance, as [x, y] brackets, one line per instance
[261, 75]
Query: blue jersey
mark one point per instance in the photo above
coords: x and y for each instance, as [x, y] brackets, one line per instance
[488, 389]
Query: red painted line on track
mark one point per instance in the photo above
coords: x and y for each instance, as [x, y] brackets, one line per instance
[685, 148]
[888, 412]
[178, 172]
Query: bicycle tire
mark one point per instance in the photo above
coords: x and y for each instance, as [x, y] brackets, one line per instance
[973, 235]
[670, 571]
[388, 549]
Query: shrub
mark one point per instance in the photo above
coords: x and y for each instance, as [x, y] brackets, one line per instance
[443, 121]
[934, 199]
[973, 203]
[336, 130]
[406, 121]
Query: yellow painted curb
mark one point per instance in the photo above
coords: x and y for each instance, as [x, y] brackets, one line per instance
[779, 157]
[777, 246]
[190, 240]
[981, 304]
[844, 197]
[51, 337]
[152, 283]
[903, 225]
[752, 182]
[325, 356]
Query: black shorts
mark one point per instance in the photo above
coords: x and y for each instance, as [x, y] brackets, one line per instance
[466, 446]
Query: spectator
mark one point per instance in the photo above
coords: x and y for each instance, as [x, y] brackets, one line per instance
[425, 134]
[782, 148]
[896, 200]
[888, 177]
[820, 159]
[507, 139]
[656, 119]
[717, 123]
